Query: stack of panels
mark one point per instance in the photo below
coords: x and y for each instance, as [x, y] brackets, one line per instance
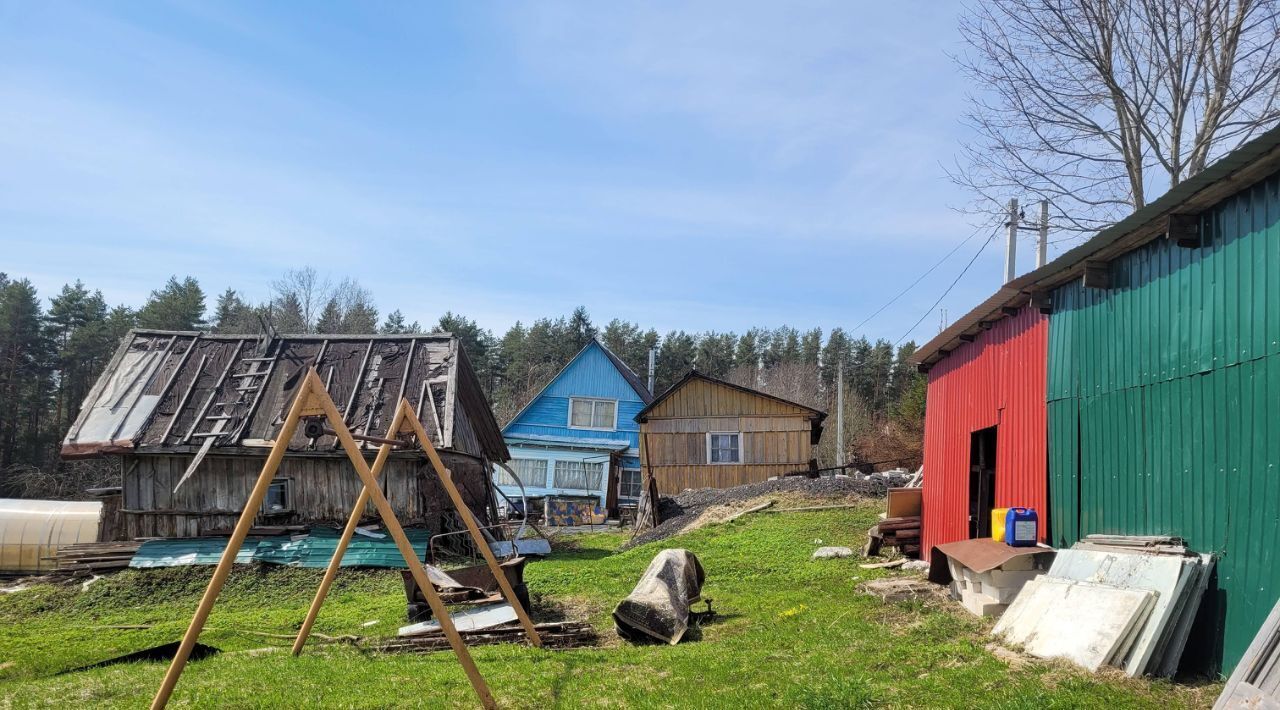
[1110, 573]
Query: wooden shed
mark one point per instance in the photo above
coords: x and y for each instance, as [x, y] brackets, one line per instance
[708, 433]
[192, 416]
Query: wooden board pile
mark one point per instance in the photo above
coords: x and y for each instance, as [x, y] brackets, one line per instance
[95, 557]
[557, 634]
[1114, 601]
[902, 533]
[1255, 683]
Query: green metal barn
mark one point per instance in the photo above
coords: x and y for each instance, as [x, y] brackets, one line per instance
[1163, 389]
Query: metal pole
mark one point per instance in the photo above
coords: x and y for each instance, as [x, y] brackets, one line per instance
[1042, 250]
[1011, 242]
[840, 413]
[653, 367]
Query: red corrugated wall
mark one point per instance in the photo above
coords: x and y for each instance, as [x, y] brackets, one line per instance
[997, 380]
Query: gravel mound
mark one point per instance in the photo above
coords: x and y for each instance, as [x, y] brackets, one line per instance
[680, 511]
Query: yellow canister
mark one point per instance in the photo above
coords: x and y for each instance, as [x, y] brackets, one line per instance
[997, 523]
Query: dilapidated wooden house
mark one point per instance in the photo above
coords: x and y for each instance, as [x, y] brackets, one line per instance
[176, 403]
[708, 433]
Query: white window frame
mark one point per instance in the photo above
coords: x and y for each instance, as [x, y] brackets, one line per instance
[724, 433]
[501, 474]
[594, 401]
[554, 483]
[639, 492]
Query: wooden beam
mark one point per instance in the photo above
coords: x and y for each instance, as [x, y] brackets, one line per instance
[967, 337]
[1183, 230]
[1097, 274]
[1042, 301]
[313, 400]
[1010, 310]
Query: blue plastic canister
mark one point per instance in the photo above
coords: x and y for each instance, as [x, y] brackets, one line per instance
[1020, 527]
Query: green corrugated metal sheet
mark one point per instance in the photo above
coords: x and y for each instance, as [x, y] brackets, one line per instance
[312, 550]
[1164, 407]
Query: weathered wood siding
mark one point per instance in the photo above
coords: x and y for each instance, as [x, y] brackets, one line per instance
[701, 398]
[776, 437]
[323, 490]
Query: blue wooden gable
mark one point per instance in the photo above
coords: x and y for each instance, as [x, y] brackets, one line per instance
[593, 372]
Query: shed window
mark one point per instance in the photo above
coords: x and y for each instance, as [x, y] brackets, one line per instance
[579, 475]
[723, 447]
[532, 473]
[592, 413]
[629, 484]
[279, 497]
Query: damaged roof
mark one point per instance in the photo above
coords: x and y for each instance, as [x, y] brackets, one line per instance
[1250, 163]
[168, 391]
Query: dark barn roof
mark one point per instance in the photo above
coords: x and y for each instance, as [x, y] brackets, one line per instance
[167, 391]
[1240, 168]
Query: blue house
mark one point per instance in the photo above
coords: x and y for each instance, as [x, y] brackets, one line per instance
[579, 437]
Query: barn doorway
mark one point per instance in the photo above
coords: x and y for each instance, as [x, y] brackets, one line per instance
[982, 481]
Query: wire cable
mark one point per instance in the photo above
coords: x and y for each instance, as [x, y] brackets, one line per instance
[913, 284]
[953, 285]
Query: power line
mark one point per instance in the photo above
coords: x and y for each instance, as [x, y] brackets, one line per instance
[953, 285]
[913, 284]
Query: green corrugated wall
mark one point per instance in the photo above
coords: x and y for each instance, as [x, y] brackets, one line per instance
[1164, 408]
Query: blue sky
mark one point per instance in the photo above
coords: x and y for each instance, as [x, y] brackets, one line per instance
[697, 166]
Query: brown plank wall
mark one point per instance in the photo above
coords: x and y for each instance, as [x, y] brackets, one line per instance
[776, 437]
[323, 490]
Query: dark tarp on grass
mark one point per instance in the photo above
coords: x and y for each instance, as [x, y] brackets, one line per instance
[312, 550]
[658, 607]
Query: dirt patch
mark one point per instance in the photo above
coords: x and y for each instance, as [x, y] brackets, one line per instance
[691, 509]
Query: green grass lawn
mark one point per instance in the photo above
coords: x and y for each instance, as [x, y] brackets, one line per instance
[791, 632]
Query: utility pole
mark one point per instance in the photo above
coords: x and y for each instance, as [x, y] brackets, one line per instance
[1042, 247]
[840, 413]
[653, 367]
[1011, 241]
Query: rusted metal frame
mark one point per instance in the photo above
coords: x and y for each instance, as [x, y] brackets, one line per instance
[182, 402]
[150, 378]
[431, 543]
[231, 362]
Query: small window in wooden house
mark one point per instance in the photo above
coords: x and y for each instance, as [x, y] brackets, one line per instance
[629, 484]
[279, 497]
[724, 447]
[592, 413]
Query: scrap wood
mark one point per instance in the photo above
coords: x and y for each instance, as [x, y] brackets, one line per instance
[753, 509]
[557, 634]
[885, 565]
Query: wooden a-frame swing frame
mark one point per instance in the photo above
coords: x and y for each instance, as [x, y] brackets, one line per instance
[313, 401]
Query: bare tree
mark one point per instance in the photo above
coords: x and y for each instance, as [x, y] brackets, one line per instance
[1095, 105]
[304, 291]
[305, 301]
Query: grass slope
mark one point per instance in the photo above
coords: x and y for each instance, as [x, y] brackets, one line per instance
[792, 632]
